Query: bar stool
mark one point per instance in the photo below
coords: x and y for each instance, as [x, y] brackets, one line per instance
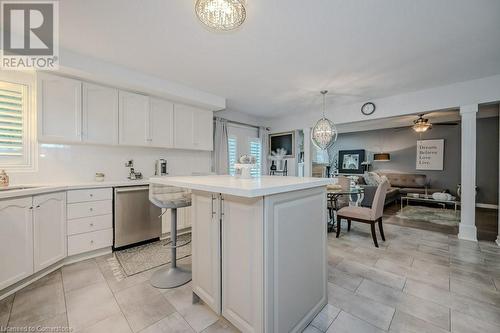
[170, 197]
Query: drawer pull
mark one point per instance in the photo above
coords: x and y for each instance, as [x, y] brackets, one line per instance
[91, 195]
[91, 224]
[92, 242]
[91, 209]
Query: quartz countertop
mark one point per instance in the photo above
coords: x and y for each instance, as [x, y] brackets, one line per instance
[255, 187]
[34, 189]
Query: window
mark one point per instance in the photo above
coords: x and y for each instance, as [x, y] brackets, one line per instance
[232, 148]
[14, 126]
[256, 150]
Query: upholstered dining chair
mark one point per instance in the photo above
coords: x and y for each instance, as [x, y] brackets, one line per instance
[366, 215]
[342, 201]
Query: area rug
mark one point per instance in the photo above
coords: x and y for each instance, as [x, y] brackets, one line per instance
[144, 257]
[429, 214]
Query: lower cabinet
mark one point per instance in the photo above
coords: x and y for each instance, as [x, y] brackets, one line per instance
[32, 235]
[49, 225]
[16, 240]
[206, 249]
[227, 257]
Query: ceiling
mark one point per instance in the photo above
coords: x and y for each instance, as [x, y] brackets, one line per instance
[289, 50]
[436, 117]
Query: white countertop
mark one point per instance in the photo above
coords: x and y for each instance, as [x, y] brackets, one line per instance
[34, 189]
[256, 187]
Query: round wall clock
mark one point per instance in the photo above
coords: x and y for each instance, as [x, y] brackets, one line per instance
[368, 108]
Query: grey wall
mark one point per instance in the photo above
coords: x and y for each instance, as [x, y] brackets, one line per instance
[401, 144]
[487, 160]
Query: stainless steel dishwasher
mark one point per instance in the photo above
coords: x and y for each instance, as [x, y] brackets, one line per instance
[135, 218]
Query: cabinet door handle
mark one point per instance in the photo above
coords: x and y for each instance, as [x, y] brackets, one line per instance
[213, 211]
[91, 209]
[91, 195]
[221, 206]
[91, 224]
[92, 242]
[37, 206]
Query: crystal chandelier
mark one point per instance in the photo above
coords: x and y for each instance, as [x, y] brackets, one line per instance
[421, 124]
[324, 133]
[222, 15]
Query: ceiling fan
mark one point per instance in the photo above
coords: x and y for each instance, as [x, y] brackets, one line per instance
[423, 124]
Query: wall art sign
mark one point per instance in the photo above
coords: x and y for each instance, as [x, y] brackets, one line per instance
[430, 154]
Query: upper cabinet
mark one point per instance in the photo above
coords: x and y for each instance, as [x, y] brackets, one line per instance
[100, 114]
[59, 109]
[161, 123]
[70, 110]
[133, 117]
[193, 128]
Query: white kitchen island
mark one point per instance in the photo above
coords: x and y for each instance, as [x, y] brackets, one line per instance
[259, 248]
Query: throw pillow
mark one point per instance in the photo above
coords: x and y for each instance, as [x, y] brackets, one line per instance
[385, 179]
[372, 178]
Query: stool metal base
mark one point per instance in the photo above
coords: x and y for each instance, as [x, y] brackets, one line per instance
[171, 277]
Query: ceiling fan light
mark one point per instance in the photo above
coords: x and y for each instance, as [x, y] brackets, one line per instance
[421, 125]
[221, 15]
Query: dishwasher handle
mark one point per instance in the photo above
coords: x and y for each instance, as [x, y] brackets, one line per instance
[131, 189]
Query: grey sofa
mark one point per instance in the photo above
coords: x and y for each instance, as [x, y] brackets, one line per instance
[401, 184]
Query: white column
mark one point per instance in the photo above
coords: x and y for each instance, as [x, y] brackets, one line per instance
[467, 229]
[498, 237]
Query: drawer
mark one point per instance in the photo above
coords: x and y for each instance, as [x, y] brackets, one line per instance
[92, 208]
[89, 241]
[92, 194]
[88, 224]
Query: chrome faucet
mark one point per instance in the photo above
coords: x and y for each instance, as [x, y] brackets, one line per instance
[133, 175]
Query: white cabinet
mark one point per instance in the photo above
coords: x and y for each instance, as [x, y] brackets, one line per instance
[89, 219]
[100, 114]
[193, 128]
[59, 109]
[243, 262]
[49, 223]
[16, 240]
[206, 249]
[133, 119]
[161, 123]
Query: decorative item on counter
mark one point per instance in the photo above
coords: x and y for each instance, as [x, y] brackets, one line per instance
[244, 168]
[442, 196]
[99, 176]
[4, 178]
[278, 156]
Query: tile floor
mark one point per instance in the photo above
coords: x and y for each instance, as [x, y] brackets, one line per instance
[417, 281]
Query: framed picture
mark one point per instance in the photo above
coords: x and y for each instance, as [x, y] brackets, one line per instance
[430, 154]
[285, 140]
[350, 161]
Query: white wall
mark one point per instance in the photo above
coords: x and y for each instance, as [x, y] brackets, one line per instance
[240, 117]
[79, 163]
[478, 91]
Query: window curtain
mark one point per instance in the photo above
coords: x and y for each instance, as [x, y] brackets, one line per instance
[220, 155]
[264, 137]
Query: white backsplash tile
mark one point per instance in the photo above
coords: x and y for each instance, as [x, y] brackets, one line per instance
[74, 163]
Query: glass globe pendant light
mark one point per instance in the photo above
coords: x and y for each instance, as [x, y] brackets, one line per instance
[324, 133]
[221, 15]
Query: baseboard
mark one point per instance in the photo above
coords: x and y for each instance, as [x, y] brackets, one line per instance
[467, 232]
[487, 206]
[63, 262]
